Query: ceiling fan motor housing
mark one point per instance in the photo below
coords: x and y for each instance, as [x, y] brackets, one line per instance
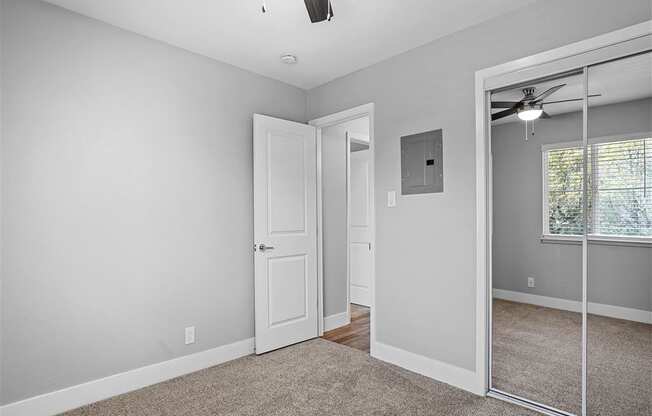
[531, 106]
[528, 92]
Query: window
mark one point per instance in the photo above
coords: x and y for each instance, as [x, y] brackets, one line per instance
[619, 189]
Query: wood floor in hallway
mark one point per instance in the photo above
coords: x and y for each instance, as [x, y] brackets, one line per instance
[356, 334]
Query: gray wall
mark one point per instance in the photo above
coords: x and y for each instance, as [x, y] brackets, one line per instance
[127, 198]
[334, 219]
[425, 248]
[127, 201]
[618, 275]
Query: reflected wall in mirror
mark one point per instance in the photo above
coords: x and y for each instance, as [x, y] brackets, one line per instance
[619, 379]
[536, 274]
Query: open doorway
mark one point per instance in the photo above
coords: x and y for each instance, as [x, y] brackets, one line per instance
[346, 239]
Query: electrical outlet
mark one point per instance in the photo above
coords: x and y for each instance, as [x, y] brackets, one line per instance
[530, 282]
[190, 335]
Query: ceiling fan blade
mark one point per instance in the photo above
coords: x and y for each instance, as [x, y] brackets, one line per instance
[319, 10]
[502, 114]
[547, 93]
[545, 115]
[504, 104]
[572, 99]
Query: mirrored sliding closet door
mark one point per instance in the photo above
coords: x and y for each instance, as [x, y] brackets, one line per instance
[619, 256]
[571, 240]
[537, 208]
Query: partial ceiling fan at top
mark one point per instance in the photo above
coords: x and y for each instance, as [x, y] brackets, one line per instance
[530, 107]
[318, 10]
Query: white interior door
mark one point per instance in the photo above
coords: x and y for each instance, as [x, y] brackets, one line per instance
[285, 232]
[360, 220]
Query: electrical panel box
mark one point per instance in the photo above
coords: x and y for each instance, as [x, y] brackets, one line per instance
[422, 167]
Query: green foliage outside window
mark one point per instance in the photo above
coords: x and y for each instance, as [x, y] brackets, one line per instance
[619, 189]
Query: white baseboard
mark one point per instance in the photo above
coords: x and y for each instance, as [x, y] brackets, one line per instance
[554, 303]
[335, 321]
[619, 312]
[76, 396]
[611, 311]
[360, 295]
[455, 376]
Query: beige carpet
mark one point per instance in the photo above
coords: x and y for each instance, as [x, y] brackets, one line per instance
[537, 355]
[317, 377]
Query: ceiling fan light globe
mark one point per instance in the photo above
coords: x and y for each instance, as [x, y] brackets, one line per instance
[530, 114]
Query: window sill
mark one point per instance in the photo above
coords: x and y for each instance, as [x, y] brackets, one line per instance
[598, 240]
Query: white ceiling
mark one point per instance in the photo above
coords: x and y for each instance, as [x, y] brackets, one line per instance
[362, 33]
[617, 81]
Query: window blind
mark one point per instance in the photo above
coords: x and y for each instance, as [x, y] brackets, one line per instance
[619, 189]
[564, 191]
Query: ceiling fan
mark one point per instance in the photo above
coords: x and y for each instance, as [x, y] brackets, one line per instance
[318, 10]
[530, 107]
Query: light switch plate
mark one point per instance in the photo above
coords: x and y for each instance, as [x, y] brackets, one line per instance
[391, 199]
[190, 335]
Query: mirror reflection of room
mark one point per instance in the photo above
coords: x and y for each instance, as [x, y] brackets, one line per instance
[571, 228]
[536, 346]
[619, 349]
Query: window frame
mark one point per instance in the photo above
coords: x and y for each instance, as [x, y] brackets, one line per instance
[546, 236]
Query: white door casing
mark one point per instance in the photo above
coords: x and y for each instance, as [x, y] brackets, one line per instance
[285, 222]
[360, 232]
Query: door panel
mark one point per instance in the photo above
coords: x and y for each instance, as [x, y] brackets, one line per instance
[360, 273]
[287, 281]
[287, 187]
[360, 189]
[285, 219]
[360, 249]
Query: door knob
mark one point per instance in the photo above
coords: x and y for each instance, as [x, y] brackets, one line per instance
[263, 247]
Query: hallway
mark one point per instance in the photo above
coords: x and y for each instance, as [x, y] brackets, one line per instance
[356, 334]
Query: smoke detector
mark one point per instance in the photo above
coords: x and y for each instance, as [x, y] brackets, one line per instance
[289, 59]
